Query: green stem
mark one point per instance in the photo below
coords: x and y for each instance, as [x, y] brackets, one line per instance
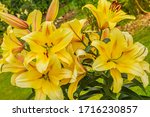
[136, 1]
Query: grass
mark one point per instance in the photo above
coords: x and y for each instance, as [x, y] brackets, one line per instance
[9, 92]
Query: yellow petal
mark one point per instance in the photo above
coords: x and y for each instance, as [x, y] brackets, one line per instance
[101, 64]
[42, 62]
[54, 92]
[10, 42]
[36, 38]
[12, 67]
[29, 79]
[20, 32]
[39, 95]
[145, 79]
[112, 24]
[145, 66]
[136, 52]
[13, 21]
[61, 38]
[117, 80]
[52, 10]
[129, 38]
[79, 66]
[74, 74]
[64, 56]
[47, 28]
[55, 63]
[34, 19]
[29, 57]
[117, 45]
[120, 15]
[130, 77]
[131, 68]
[64, 82]
[97, 44]
[65, 73]
[105, 33]
[76, 27]
[80, 52]
[73, 87]
[103, 5]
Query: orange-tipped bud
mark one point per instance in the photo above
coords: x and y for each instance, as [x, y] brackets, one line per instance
[52, 10]
[13, 21]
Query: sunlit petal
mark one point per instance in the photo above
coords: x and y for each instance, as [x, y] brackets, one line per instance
[73, 87]
[34, 19]
[52, 10]
[13, 21]
[117, 80]
[54, 92]
[39, 95]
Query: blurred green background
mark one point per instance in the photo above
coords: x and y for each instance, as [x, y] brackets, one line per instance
[69, 9]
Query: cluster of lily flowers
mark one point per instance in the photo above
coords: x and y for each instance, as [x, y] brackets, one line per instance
[44, 57]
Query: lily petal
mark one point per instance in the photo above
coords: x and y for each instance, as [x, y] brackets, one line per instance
[34, 19]
[54, 92]
[29, 57]
[63, 38]
[48, 27]
[117, 80]
[29, 79]
[42, 63]
[73, 87]
[39, 95]
[64, 56]
[52, 10]
[13, 21]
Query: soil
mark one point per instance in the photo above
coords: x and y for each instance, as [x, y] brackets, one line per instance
[141, 21]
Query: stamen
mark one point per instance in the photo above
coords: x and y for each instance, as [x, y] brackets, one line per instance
[115, 6]
[46, 77]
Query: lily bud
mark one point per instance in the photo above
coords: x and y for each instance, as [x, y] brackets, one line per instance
[13, 21]
[52, 10]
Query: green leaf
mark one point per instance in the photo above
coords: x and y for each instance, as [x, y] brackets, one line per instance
[90, 94]
[137, 83]
[130, 93]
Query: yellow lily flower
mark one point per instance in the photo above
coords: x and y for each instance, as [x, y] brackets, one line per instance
[120, 55]
[10, 45]
[107, 14]
[77, 73]
[14, 65]
[44, 46]
[45, 84]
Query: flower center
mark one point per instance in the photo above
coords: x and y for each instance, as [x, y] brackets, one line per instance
[115, 6]
[115, 59]
[46, 77]
[47, 47]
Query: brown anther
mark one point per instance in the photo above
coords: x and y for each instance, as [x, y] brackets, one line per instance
[46, 54]
[115, 6]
